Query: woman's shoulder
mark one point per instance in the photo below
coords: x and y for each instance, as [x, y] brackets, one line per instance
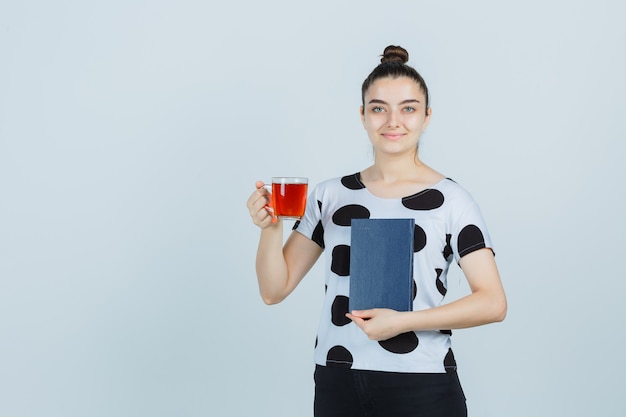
[454, 191]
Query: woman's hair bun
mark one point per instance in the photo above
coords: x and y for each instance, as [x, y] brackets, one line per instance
[395, 54]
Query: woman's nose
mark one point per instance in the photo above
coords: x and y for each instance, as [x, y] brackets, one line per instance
[392, 121]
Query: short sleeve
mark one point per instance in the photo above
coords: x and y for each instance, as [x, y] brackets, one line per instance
[310, 225]
[469, 231]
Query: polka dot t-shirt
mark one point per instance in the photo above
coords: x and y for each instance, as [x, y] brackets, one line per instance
[448, 225]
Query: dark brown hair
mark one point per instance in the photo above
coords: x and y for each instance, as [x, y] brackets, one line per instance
[393, 64]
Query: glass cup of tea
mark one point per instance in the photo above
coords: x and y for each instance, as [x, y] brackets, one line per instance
[288, 196]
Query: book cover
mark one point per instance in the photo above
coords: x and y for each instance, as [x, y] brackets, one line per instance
[381, 264]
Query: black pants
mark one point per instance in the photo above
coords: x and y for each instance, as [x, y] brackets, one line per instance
[352, 393]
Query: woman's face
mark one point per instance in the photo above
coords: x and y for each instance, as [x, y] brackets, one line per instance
[394, 115]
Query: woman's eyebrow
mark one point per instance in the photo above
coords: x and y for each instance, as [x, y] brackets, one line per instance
[411, 100]
[377, 101]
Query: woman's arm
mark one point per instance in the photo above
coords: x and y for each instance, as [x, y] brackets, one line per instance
[279, 269]
[486, 304]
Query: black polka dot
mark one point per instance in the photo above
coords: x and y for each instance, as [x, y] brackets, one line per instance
[340, 263]
[414, 289]
[338, 311]
[344, 215]
[448, 332]
[440, 285]
[447, 250]
[318, 235]
[428, 199]
[339, 357]
[353, 182]
[419, 239]
[402, 343]
[470, 239]
[318, 232]
[449, 362]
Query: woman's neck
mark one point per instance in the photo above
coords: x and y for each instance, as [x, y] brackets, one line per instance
[398, 177]
[391, 168]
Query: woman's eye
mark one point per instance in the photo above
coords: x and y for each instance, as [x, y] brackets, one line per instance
[409, 109]
[377, 109]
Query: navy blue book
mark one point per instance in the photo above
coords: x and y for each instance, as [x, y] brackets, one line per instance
[381, 264]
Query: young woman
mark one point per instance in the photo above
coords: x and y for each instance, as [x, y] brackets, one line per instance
[382, 362]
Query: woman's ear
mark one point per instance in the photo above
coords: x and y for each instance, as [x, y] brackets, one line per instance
[362, 113]
[429, 112]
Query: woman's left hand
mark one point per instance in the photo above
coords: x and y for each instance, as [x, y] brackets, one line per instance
[378, 323]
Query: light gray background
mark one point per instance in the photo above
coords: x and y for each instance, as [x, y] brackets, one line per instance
[131, 134]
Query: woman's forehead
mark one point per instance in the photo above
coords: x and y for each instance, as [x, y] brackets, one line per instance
[399, 89]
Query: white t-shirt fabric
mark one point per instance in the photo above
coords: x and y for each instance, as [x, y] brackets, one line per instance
[448, 226]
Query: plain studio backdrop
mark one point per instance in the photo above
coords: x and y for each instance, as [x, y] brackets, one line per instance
[131, 135]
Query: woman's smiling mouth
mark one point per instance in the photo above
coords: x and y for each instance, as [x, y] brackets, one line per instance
[393, 135]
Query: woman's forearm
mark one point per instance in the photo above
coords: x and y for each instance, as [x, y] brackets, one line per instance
[476, 309]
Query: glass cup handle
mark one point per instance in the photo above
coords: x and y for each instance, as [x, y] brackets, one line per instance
[268, 206]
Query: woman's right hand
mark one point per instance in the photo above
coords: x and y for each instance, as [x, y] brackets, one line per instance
[259, 207]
